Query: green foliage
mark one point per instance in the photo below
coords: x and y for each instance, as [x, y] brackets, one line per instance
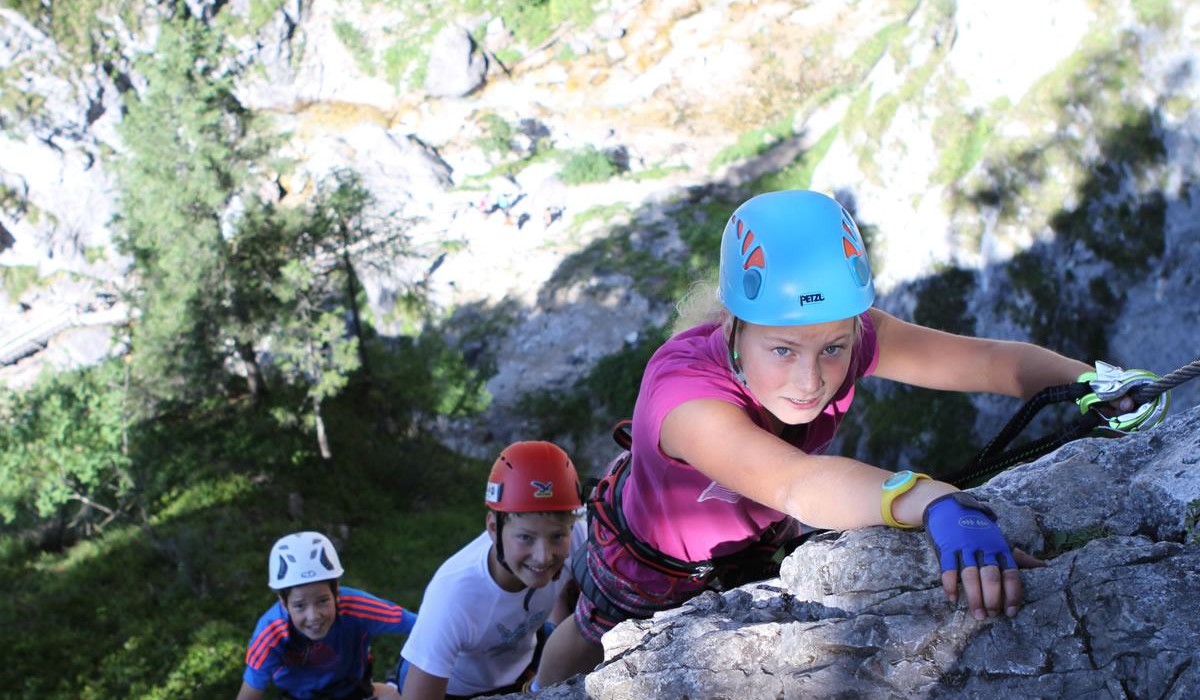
[797, 175]
[1191, 524]
[753, 143]
[587, 165]
[311, 347]
[868, 53]
[459, 388]
[356, 43]
[602, 213]
[963, 137]
[81, 29]
[397, 57]
[430, 377]
[656, 172]
[934, 429]
[533, 21]
[314, 347]
[1063, 541]
[942, 301]
[11, 200]
[216, 482]
[18, 279]
[1158, 13]
[63, 448]
[498, 135]
[257, 15]
[191, 145]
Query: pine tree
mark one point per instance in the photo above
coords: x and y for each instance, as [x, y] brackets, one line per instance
[191, 148]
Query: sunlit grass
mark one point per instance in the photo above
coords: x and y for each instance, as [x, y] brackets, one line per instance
[220, 491]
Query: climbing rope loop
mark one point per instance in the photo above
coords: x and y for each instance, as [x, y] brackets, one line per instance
[1094, 390]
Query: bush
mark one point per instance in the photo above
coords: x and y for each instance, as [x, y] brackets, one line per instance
[588, 165]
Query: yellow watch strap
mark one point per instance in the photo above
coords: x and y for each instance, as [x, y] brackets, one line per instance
[893, 488]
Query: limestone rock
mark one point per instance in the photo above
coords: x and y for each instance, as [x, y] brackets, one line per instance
[455, 67]
[860, 613]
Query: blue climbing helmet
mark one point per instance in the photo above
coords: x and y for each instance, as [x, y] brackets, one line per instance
[792, 258]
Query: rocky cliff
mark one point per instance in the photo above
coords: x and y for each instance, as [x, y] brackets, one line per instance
[1045, 192]
[860, 614]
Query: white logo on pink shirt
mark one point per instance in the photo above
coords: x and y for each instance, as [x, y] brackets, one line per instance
[718, 492]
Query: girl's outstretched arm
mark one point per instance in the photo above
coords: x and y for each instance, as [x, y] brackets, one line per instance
[838, 493]
[934, 359]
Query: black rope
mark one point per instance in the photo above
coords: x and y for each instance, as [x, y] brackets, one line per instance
[978, 469]
[992, 459]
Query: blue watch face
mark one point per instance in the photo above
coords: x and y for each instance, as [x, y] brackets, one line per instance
[898, 479]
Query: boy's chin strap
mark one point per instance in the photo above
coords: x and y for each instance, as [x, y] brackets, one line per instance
[500, 543]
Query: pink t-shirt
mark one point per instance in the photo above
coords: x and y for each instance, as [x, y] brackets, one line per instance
[668, 503]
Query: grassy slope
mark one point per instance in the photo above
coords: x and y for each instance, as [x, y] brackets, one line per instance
[168, 615]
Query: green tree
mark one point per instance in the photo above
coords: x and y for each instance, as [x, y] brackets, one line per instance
[191, 147]
[63, 451]
[320, 337]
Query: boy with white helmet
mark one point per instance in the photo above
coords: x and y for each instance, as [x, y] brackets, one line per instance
[485, 606]
[314, 642]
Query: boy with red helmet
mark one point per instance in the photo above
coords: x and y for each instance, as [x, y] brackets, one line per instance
[478, 632]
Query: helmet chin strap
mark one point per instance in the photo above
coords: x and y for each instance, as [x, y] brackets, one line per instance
[500, 543]
[734, 362]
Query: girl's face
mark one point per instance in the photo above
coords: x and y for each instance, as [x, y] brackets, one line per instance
[312, 608]
[535, 547]
[794, 371]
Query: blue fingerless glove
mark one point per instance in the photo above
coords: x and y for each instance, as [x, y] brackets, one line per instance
[964, 533]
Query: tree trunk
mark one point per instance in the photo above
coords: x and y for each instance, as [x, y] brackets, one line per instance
[254, 375]
[322, 438]
[355, 317]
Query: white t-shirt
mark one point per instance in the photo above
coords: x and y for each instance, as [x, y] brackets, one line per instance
[473, 632]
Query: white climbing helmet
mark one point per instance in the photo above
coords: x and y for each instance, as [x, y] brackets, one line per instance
[301, 558]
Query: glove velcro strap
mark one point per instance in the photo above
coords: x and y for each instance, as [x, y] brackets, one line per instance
[963, 499]
[964, 533]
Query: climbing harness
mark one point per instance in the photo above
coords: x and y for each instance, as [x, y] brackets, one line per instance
[607, 516]
[1106, 383]
[604, 510]
[607, 525]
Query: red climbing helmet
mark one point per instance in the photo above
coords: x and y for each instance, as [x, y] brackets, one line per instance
[530, 477]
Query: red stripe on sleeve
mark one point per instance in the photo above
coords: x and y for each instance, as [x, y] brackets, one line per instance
[371, 609]
[264, 642]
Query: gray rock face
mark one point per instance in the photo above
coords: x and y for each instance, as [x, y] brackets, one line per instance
[859, 614]
[455, 67]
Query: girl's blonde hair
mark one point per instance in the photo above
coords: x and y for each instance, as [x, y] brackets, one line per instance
[699, 305]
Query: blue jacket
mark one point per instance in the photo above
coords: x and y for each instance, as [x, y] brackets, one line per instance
[330, 667]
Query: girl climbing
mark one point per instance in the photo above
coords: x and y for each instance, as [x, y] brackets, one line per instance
[734, 415]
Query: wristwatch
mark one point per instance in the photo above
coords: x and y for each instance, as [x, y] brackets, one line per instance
[897, 485]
